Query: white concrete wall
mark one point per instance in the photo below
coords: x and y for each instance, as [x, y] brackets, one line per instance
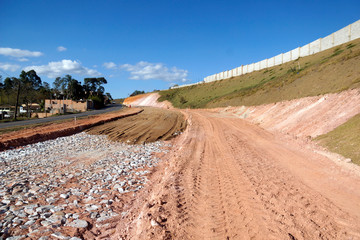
[315, 46]
[305, 50]
[278, 59]
[342, 36]
[346, 34]
[287, 57]
[251, 68]
[295, 54]
[263, 64]
[257, 66]
[355, 30]
[245, 69]
[327, 42]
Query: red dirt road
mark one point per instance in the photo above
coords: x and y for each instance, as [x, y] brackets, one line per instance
[228, 179]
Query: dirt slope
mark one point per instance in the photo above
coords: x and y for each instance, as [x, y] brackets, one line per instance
[228, 179]
[148, 126]
[148, 99]
[310, 116]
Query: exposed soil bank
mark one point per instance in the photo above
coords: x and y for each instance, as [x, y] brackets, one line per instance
[148, 99]
[42, 133]
[310, 116]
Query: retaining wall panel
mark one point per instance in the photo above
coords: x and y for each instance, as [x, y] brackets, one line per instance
[355, 30]
[270, 62]
[287, 57]
[250, 68]
[245, 69]
[263, 64]
[327, 42]
[341, 36]
[315, 46]
[304, 50]
[278, 59]
[295, 54]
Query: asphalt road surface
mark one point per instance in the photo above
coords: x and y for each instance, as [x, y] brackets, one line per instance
[107, 109]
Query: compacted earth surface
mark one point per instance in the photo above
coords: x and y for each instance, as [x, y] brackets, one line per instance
[226, 178]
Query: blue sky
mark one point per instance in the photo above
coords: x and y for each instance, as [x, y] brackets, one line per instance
[147, 45]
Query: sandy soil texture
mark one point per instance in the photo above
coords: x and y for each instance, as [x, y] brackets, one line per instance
[54, 130]
[148, 99]
[148, 126]
[228, 179]
[310, 116]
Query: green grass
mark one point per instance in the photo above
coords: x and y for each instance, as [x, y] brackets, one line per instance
[330, 71]
[344, 139]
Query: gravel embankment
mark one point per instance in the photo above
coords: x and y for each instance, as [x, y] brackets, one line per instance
[63, 187]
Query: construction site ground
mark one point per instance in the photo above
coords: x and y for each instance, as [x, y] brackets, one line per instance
[226, 177]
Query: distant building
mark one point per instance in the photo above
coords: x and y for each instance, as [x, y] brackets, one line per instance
[33, 107]
[62, 106]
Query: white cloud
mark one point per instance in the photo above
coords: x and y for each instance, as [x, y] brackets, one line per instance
[23, 59]
[109, 65]
[9, 67]
[13, 52]
[158, 71]
[56, 69]
[61, 49]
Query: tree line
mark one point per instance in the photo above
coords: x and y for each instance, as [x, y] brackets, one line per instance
[28, 88]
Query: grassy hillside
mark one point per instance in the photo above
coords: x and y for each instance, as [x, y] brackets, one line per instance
[344, 139]
[330, 71]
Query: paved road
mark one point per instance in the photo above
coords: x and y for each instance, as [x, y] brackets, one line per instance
[109, 108]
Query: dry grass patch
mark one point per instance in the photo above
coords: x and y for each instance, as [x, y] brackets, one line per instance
[344, 139]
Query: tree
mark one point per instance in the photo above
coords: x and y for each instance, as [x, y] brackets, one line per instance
[8, 88]
[136, 92]
[1, 90]
[29, 83]
[69, 87]
[109, 98]
[93, 86]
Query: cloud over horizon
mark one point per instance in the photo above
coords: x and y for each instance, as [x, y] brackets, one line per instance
[19, 53]
[156, 71]
[9, 67]
[57, 69]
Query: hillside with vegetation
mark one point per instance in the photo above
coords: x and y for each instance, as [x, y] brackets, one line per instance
[330, 71]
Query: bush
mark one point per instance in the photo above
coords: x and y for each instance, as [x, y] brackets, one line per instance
[97, 101]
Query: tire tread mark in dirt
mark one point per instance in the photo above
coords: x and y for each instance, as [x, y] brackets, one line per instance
[276, 193]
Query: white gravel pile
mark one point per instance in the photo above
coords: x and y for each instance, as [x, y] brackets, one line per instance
[73, 181]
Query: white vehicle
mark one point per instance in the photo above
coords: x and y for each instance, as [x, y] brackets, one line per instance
[22, 109]
[4, 110]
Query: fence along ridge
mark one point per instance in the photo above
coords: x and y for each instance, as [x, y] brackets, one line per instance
[344, 35]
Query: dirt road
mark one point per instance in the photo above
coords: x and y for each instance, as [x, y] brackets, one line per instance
[228, 179]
